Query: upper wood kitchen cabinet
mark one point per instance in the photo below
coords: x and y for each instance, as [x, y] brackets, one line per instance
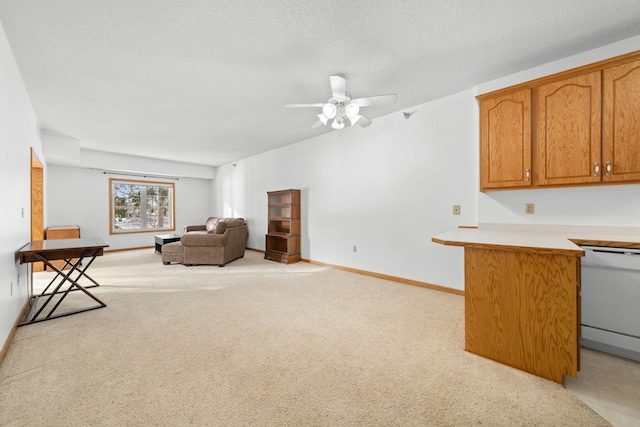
[505, 141]
[568, 139]
[576, 127]
[621, 122]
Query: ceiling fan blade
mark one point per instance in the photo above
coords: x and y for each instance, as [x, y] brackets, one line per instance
[364, 122]
[376, 100]
[354, 119]
[317, 124]
[338, 85]
[317, 104]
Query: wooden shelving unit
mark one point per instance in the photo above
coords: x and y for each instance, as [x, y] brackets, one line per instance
[283, 232]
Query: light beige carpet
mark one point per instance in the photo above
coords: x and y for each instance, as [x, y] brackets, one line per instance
[258, 343]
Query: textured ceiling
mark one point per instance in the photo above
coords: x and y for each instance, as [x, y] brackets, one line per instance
[205, 81]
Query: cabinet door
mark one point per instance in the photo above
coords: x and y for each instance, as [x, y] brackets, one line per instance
[568, 138]
[505, 141]
[621, 123]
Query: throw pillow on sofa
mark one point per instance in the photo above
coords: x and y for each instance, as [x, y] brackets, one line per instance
[210, 226]
[224, 223]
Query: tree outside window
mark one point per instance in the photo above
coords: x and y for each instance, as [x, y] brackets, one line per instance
[138, 206]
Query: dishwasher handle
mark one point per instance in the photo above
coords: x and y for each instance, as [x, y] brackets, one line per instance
[609, 257]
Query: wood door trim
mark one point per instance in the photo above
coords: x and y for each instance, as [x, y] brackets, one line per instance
[37, 203]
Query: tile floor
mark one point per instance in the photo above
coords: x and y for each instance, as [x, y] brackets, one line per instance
[609, 385]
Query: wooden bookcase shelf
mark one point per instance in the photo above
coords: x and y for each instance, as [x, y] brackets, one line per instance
[283, 231]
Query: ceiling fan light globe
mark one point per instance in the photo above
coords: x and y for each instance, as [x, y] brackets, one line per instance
[352, 110]
[337, 125]
[329, 110]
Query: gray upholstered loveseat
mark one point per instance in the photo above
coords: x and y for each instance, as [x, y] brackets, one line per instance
[218, 242]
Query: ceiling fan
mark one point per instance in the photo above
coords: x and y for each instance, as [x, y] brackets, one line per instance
[340, 107]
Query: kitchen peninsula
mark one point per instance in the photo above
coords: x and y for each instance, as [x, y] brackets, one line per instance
[522, 292]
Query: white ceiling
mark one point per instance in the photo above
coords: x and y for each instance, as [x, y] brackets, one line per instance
[205, 81]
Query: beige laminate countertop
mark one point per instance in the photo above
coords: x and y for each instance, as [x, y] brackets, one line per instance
[554, 240]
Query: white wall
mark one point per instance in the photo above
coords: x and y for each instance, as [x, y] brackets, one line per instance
[386, 189]
[80, 196]
[614, 205]
[389, 188]
[18, 134]
[66, 151]
[78, 188]
[617, 205]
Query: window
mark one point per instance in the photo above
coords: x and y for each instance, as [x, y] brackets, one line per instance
[139, 206]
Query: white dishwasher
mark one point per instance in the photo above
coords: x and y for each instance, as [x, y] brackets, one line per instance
[610, 290]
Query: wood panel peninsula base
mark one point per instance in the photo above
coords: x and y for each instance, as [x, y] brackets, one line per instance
[521, 302]
[521, 309]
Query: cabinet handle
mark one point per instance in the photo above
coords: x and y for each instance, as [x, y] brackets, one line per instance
[527, 174]
[608, 167]
[596, 167]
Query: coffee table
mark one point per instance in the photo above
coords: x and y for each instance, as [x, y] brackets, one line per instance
[163, 239]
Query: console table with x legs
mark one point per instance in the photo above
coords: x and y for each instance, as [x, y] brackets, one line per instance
[78, 255]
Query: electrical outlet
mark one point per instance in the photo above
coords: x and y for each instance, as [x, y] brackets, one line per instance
[456, 209]
[355, 249]
[529, 208]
